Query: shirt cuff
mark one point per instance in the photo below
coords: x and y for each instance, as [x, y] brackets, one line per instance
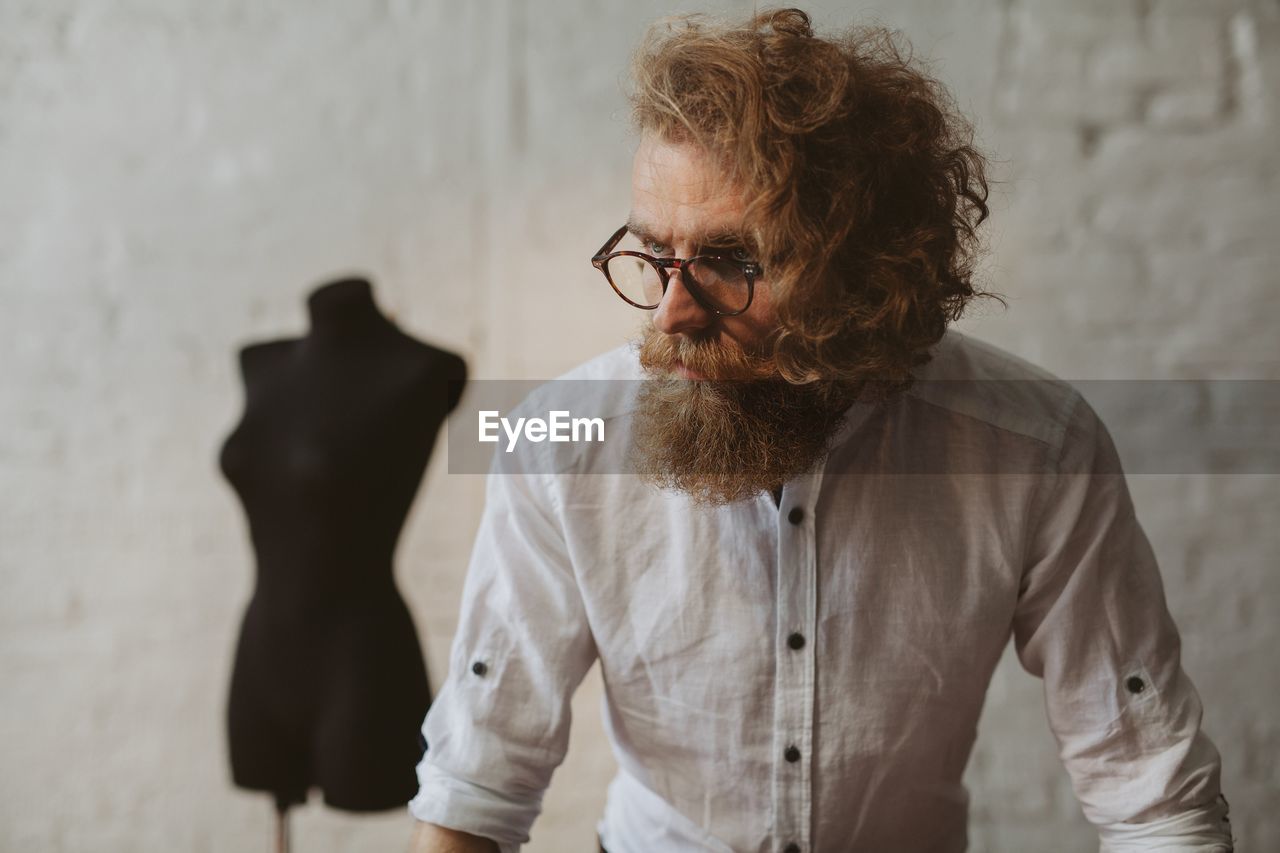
[1202, 830]
[454, 803]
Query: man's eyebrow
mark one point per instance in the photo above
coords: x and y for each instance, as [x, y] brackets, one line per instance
[723, 236]
[640, 230]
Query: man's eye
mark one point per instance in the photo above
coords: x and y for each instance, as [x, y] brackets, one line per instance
[740, 255]
[657, 248]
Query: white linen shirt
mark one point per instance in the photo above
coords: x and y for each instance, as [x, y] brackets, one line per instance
[809, 676]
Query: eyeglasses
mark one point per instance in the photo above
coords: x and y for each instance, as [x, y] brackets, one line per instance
[720, 283]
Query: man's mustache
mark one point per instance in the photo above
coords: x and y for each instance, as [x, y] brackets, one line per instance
[661, 353]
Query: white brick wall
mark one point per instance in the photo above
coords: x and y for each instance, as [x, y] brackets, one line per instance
[175, 176]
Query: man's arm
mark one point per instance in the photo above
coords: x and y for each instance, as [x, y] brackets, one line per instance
[429, 838]
[1092, 621]
[499, 725]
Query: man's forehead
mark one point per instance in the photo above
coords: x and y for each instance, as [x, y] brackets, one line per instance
[678, 193]
[683, 167]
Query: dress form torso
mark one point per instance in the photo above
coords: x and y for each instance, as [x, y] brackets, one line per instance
[329, 686]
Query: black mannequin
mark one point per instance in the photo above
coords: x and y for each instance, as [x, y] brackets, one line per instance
[329, 687]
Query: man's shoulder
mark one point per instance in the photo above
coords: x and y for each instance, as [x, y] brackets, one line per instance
[601, 387]
[980, 380]
[595, 378]
[621, 363]
[601, 390]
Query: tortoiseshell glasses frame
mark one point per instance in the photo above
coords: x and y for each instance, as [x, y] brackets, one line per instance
[751, 270]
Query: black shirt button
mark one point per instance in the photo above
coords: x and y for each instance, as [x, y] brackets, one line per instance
[479, 667]
[796, 641]
[1135, 684]
[796, 515]
[791, 848]
[792, 754]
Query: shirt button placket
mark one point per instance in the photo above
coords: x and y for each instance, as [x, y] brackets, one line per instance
[795, 604]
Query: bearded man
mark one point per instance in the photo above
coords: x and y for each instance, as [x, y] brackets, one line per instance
[839, 510]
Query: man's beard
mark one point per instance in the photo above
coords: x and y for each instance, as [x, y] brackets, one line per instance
[740, 432]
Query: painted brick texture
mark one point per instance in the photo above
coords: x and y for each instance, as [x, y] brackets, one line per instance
[175, 176]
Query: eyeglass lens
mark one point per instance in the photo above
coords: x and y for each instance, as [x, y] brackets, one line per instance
[721, 283]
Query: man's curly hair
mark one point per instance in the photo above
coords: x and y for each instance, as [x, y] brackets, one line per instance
[864, 190]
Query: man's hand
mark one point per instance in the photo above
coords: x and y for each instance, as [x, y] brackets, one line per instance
[429, 838]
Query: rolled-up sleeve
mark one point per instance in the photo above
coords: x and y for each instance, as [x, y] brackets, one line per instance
[499, 725]
[1093, 623]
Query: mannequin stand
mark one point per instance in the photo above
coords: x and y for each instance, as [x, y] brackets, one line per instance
[282, 828]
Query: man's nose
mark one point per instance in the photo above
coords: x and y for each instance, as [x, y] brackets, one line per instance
[679, 312]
